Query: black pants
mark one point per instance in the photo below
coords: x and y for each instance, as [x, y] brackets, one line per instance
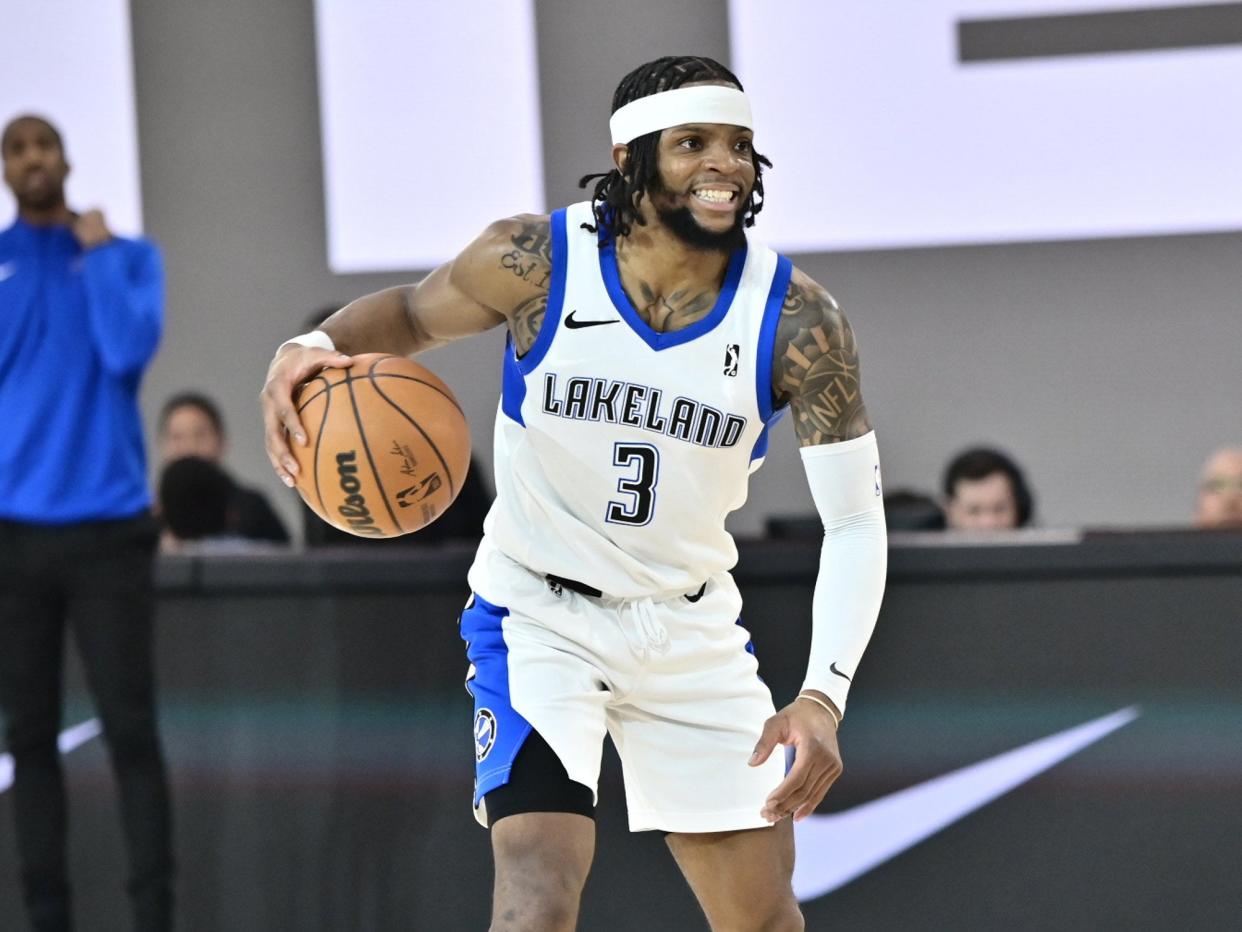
[96, 579]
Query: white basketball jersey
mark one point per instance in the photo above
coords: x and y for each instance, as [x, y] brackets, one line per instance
[620, 450]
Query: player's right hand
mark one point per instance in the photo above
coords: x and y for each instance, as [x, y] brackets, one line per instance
[292, 365]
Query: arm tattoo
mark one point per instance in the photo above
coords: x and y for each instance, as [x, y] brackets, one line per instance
[816, 367]
[529, 259]
[666, 313]
[526, 321]
[674, 312]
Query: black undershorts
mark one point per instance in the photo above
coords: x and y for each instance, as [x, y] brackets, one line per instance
[538, 782]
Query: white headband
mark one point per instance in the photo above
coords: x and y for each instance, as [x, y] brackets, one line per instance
[708, 103]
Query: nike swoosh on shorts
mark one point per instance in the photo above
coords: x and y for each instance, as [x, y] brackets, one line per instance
[835, 849]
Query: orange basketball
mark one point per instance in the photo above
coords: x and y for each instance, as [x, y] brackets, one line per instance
[388, 446]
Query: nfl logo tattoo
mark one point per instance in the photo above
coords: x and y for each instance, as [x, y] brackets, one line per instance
[732, 352]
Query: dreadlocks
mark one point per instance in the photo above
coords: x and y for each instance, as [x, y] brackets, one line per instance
[614, 201]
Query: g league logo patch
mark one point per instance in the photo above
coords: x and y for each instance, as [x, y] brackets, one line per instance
[484, 734]
[732, 353]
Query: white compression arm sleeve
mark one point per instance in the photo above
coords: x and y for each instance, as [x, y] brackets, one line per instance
[845, 483]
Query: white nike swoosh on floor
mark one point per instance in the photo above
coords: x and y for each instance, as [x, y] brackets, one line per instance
[834, 849]
[69, 739]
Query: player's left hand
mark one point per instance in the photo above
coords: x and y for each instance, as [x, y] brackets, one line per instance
[91, 229]
[812, 732]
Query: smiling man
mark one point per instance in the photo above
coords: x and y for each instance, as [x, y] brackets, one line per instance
[651, 347]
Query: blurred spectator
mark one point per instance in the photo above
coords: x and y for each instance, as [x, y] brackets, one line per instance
[197, 497]
[190, 424]
[908, 510]
[1220, 491]
[984, 490]
[81, 312]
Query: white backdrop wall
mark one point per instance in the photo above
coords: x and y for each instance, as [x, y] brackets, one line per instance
[1109, 367]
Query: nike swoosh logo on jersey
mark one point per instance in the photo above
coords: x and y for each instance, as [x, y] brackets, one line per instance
[579, 324]
[833, 667]
[8, 270]
[835, 849]
[70, 739]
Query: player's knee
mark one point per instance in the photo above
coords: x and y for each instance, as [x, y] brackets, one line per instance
[541, 869]
[555, 870]
[532, 915]
[767, 914]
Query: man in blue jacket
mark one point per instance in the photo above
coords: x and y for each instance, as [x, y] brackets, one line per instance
[80, 318]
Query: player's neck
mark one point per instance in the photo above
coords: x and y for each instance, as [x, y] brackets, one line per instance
[54, 215]
[653, 260]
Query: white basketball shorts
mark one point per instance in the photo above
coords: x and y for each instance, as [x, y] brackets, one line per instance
[674, 683]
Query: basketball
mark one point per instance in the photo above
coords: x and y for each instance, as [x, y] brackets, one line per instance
[388, 446]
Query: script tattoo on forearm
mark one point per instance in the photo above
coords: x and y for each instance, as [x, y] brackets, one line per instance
[816, 367]
[530, 259]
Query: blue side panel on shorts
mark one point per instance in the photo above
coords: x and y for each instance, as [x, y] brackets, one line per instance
[499, 731]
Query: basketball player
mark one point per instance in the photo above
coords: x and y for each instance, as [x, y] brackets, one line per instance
[650, 348]
[82, 311]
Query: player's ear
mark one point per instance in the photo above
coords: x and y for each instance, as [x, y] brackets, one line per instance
[621, 158]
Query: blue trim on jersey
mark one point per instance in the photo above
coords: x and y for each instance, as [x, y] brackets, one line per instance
[499, 732]
[556, 297]
[767, 337]
[760, 449]
[763, 357]
[654, 339]
[513, 384]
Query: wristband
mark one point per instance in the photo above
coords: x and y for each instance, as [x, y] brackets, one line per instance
[316, 339]
[820, 702]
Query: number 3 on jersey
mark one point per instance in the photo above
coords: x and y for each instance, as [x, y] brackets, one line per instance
[643, 460]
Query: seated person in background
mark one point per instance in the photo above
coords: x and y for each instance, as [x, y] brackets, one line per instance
[190, 424]
[196, 499]
[984, 490]
[1220, 491]
[909, 510]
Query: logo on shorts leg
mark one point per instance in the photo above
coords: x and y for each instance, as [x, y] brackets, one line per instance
[484, 734]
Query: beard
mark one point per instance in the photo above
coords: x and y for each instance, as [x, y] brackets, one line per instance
[46, 199]
[681, 223]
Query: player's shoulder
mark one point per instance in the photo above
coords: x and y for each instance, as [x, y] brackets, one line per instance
[805, 292]
[507, 243]
[519, 227]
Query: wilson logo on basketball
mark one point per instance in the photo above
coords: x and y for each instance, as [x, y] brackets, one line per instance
[355, 509]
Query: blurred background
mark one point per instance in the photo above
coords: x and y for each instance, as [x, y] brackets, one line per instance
[1031, 212]
[1027, 310]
